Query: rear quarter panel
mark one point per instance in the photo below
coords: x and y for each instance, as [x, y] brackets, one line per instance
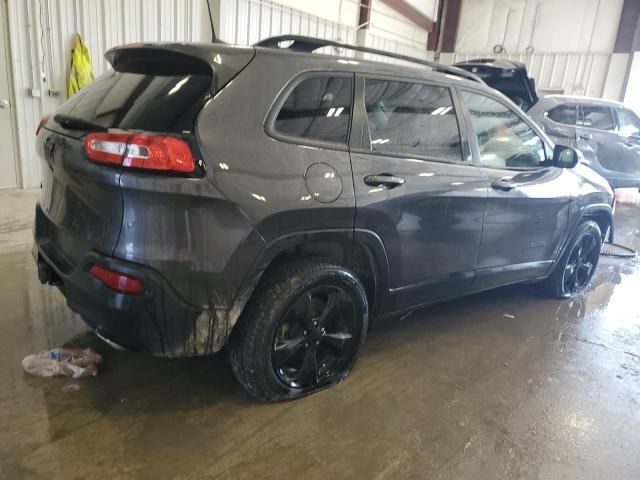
[262, 176]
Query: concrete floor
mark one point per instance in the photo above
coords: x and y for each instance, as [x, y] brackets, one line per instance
[499, 385]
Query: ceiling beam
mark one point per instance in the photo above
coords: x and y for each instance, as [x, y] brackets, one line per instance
[412, 13]
[445, 32]
[364, 15]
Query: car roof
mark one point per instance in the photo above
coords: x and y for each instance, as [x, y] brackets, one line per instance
[360, 65]
[582, 100]
[206, 53]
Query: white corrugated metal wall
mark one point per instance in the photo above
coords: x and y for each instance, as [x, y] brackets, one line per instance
[41, 33]
[247, 21]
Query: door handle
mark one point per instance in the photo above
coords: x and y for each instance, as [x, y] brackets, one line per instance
[4, 103]
[502, 184]
[383, 180]
[585, 136]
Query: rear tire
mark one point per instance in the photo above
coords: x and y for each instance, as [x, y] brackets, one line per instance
[301, 331]
[573, 272]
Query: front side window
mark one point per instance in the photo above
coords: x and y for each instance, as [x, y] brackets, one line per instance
[505, 139]
[597, 117]
[565, 114]
[318, 108]
[412, 119]
[629, 123]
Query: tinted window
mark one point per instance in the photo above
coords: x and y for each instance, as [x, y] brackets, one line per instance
[629, 123]
[412, 119]
[141, 102]
[318, 108]
[566, 114]
[596, 117]
[505, 140]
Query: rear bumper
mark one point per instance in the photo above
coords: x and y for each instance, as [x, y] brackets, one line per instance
[158, 321]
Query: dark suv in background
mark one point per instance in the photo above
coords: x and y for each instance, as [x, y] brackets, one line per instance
[276, 199]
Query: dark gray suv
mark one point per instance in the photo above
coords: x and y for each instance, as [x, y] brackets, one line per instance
[275, 199]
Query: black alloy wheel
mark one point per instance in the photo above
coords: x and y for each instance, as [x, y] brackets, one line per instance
[316, 339]
[573, 271]
[581, 264]
[301, 331]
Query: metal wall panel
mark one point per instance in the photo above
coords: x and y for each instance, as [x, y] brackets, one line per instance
[41, 33]
[247, 21]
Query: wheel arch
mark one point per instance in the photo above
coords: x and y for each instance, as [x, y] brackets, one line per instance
[602, 214]
[361, 251]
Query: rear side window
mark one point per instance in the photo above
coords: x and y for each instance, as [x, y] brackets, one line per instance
[596, 117]
[412, 119]
[318, 108]
[566, 114]
[158, 103]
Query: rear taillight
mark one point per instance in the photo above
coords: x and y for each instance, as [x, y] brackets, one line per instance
[43, 121]
[106, 148]
[117, 281]
[148, 152]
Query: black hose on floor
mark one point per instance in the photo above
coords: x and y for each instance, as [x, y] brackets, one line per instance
[618, 251]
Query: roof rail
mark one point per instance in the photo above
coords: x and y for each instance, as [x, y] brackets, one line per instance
[301, 43]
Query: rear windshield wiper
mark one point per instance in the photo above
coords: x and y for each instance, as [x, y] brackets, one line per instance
[75, 123]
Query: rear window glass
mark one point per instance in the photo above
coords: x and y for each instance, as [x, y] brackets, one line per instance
[596, 117]
[566, 114]
[141, 102]
[412, 119]
[318, 108]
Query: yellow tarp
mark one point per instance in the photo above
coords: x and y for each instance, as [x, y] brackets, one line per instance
[81, 73]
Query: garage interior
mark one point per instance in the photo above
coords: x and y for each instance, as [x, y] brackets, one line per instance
[501, 384]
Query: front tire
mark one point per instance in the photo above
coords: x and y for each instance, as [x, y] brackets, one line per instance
[573, 273]
[301, 331]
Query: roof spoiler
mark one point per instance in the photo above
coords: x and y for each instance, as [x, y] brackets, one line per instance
[219, 60]
[156, 59]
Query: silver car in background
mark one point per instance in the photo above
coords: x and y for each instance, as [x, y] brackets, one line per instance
[605, 132]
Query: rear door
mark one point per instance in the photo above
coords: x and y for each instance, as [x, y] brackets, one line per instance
[416, 186]
[629, 133]
[597, 139]
[527, 206]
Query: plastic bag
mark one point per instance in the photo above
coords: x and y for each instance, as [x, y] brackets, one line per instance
[67, 362]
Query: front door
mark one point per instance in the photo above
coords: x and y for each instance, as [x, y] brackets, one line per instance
[528, 204]
[8, 176]
[416, 187]
[603, 150]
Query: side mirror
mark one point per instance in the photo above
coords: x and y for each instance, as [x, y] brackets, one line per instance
[564, 157]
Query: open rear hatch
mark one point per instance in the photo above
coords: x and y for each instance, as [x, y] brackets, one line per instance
[506, 76]
[141, 115]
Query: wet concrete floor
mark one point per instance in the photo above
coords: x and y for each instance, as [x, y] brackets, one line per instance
[504, 384]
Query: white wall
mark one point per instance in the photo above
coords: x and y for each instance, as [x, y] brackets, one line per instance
[387, 23]
[547, 25]
[632, 93]
[341, 11]
[41, 33]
